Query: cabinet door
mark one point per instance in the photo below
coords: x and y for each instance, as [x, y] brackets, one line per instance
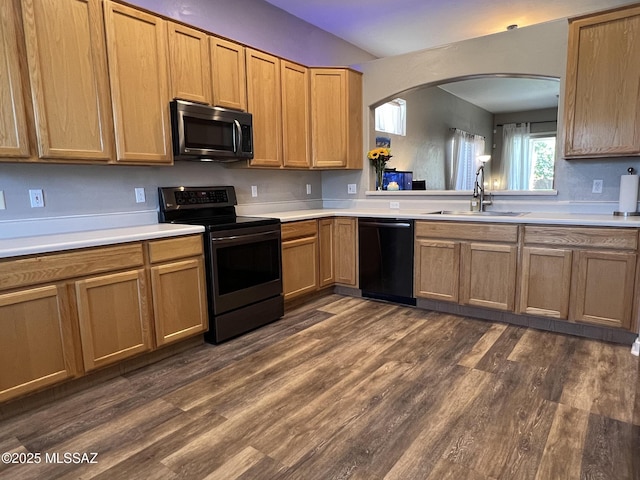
[113, 317]
[299, 266]
[189, 63]
[604, 285]
[326, 251]
[437, 269]
[296, 117]
[179, 300]
[329, 117]
[263, 100]
[36, 346]
[14, 139]
[603, 85]
[229, 74]
[346, 251]
[137, 53]
[69, 82]
[545, 282]
[488, 275]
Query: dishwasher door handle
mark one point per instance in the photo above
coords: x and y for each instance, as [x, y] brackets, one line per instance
[389, 225]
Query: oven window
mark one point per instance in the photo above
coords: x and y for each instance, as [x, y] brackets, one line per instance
[247, 265]
[207, 134]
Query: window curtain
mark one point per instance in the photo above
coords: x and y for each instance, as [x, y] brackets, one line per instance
[517, 161]
[462, 150]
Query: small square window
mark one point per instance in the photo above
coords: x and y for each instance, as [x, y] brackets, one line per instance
[391, 117]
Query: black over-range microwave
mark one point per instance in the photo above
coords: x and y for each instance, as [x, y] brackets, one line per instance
[205, 133]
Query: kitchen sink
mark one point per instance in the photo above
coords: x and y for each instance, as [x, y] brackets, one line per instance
[488, 213]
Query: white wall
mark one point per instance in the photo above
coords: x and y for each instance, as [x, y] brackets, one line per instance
[539, 49]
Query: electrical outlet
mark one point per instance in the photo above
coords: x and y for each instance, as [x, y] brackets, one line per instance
[254, 191]
[394, 204]
[140, 196]
[597, 186]
[352, 188]
[37, 198]
[308, 189]
[2, 204]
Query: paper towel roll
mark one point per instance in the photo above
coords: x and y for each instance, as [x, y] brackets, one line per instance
[628, 193]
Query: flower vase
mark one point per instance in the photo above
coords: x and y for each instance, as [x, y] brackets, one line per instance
[379, 178]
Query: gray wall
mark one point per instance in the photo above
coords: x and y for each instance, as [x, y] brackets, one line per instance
[536, 50]
[87, 189]
[431, 112]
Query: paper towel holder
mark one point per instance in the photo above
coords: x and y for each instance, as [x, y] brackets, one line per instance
[630, 171]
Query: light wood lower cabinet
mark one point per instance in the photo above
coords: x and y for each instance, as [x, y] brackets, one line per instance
[36, 344]
[63, 314]
[488, 275]
[179, 288]
[318, 254]
[437, 270]
[580, 274]
[468, 263]
[113, 317]
[345, 250]
[300, 267]
[545, 282]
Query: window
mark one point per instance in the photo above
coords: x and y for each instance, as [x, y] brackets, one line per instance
[391, 117]
[543, 152]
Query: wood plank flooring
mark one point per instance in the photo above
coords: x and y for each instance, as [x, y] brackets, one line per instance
[347, 388]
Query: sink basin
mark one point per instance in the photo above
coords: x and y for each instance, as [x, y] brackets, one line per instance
[489, 213]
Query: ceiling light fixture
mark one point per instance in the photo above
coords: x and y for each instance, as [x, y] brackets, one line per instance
[512, 27]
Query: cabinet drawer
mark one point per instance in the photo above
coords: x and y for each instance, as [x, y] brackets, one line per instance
[172, 248]
[618, 238]
[306, 228]
[468, 231]
[61, 266]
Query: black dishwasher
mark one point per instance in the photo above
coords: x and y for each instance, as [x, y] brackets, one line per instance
[386, 259]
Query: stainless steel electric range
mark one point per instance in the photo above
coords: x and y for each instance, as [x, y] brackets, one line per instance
[242, 256]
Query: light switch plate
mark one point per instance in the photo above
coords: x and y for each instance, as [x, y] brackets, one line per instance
[254, 191]
[394, 204]
[2, 204]
[352, 188]
[308, 189]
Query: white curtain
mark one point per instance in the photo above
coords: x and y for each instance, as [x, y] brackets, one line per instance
[517, 161]
[462, 150]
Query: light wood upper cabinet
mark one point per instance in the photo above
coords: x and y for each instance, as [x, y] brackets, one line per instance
[229, 74]
[137, 53]
[603, 85]
[189, 63]
[113, 317]
[36, 345]
[69, 83]
[336, 118]
[296, 135]
[264, 102]
[14, 138]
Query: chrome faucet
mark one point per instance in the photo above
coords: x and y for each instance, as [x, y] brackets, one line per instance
[479, 193]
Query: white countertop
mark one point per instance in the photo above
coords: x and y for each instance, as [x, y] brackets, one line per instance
[92, 237]
[13, 247]
[548, 218]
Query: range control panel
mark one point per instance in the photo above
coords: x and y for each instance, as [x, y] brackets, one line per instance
[178, 198]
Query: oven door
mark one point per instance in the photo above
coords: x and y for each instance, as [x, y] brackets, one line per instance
[245, 266]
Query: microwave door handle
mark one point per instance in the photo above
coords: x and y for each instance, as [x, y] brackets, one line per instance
[237, 138]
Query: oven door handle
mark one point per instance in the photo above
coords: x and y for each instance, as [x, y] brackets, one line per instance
[245, 237]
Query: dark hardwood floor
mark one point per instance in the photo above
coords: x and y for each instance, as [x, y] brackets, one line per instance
[346, 388]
